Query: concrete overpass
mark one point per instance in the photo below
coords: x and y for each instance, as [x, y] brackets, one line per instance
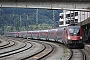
[48, 4]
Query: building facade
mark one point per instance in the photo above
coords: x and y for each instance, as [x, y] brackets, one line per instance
[72, 17]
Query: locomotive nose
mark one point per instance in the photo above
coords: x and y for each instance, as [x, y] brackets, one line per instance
[75, 37]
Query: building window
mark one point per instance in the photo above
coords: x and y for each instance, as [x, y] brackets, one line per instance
[68, 22]
[61, 22]
[67, 15]
[72, 14]
[76, 13]
[76, 20]
[61, 17]
[72, 21]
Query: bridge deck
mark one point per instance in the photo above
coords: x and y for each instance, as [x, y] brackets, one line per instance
[44, 0]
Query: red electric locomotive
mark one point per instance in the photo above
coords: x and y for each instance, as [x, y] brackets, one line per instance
[73, 37]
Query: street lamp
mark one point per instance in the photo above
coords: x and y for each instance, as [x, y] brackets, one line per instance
[54, 23]
[20, 23]
[37, 18]
[14, 23]
[27, 23]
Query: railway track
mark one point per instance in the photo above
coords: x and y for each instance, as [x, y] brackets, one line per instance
[8, 53]
[10, 44]
[33, 50]
[10, 47]
[38, 54]
[11, 50]
[48, 48]
[4, 43]
[77, 54]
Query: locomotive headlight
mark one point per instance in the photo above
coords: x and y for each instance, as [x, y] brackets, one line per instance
[68, 37]
[80, 37]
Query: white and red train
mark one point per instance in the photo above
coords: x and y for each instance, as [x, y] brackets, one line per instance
[70, 35]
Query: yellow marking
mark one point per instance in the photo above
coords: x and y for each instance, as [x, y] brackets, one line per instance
[35, 57]
[43, 52]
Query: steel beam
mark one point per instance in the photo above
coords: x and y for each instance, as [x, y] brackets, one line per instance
[49, 5]
[44, 0]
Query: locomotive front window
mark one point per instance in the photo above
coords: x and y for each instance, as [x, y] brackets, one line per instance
[74, 31]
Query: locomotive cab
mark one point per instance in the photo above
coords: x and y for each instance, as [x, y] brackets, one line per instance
[74, 37]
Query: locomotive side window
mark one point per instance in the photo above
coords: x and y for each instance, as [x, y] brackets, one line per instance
[74, 31]
[66, 32]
